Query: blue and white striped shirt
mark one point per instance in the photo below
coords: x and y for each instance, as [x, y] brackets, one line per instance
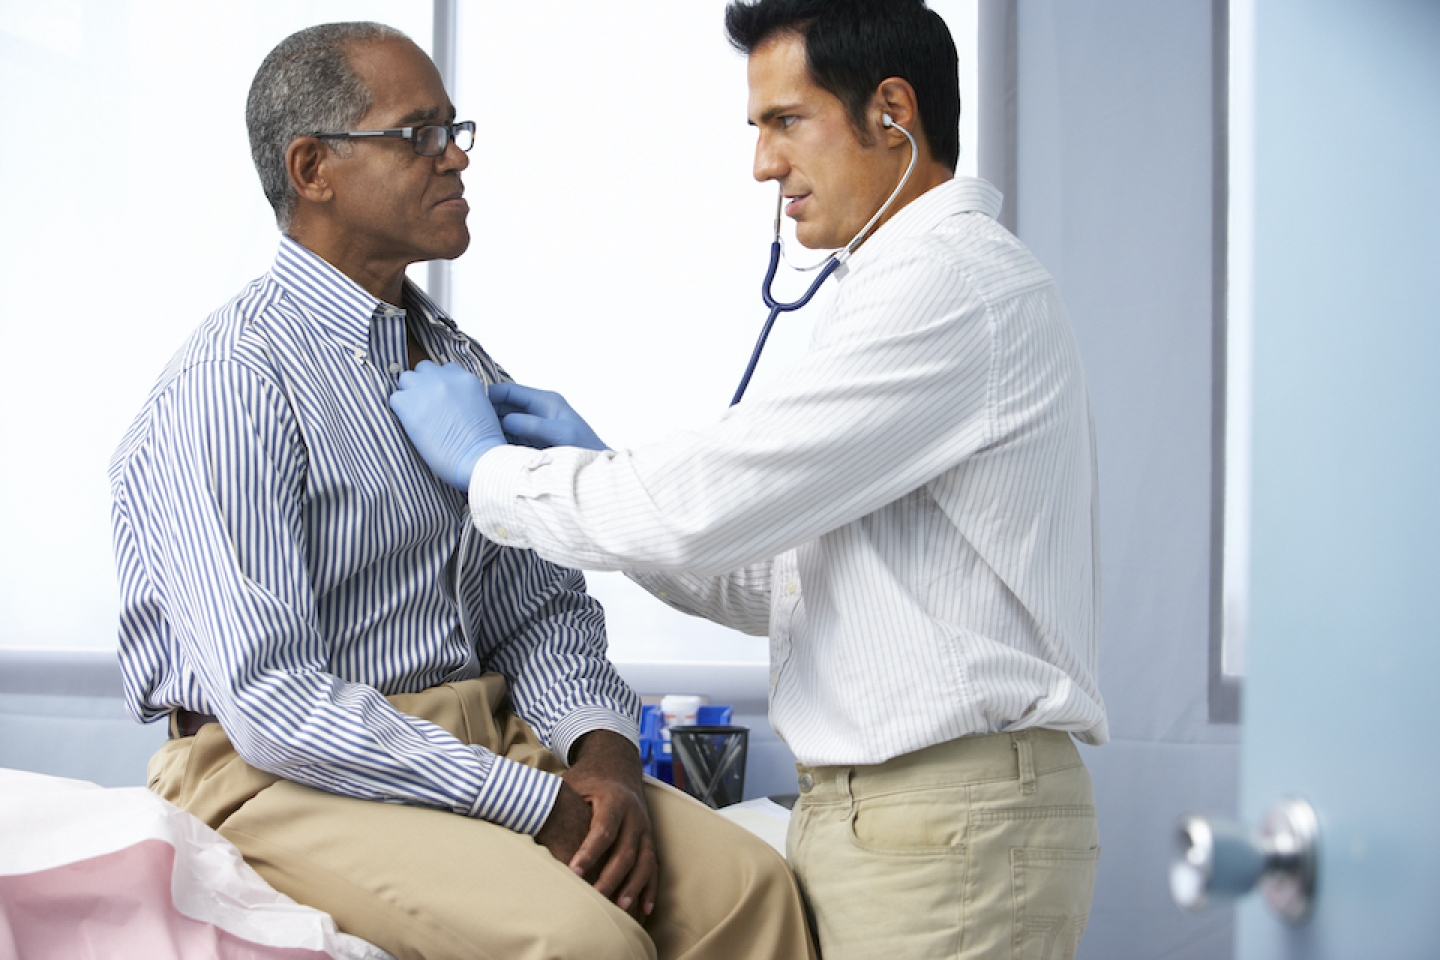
[286, 560]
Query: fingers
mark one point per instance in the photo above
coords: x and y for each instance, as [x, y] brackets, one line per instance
[424, 368]
[500, 397]
[637, 895]
[533, 431]
[624, 852]
[449, 379]
[522, 399]
[618, 865]
[604, 828]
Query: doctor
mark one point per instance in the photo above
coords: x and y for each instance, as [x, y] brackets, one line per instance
[909, 513]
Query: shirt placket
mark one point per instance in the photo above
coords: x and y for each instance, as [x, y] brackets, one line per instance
[388, 352]
[446, 344]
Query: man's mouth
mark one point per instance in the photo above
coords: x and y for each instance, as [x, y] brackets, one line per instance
[796, 204]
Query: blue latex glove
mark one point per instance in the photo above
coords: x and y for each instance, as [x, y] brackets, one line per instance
[540, 418]
[448, 417]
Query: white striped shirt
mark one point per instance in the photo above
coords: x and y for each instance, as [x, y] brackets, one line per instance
[909, 513]
[286, 559]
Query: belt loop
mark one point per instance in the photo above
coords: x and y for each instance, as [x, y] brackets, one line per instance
[1025, 750]
[842, 781]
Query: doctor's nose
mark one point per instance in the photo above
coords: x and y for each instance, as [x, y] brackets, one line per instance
[769, 165]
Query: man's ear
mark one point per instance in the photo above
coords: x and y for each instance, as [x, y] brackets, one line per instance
[896, 97]
[307, 160]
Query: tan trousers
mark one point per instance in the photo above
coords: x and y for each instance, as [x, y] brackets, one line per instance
[424, 883]
[980, 847]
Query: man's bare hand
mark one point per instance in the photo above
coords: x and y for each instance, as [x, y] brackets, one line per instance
[565, 829]
[616, 846]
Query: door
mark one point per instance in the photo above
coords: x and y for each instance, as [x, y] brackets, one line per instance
[1342, 693]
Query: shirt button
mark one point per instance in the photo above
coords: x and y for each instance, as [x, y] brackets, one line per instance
[807, 782]
[396, 368]
[791, 587]
[663, 595]
[502, 534]
[359, 355]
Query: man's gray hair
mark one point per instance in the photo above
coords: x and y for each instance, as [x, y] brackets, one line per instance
[305, 86]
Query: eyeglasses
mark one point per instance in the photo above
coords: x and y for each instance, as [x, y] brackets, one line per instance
[428, 141]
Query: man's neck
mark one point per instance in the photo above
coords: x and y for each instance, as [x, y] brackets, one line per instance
[928, 175]
[382, 278]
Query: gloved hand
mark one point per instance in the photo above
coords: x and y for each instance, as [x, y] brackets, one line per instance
[445, 411]
[540, 418]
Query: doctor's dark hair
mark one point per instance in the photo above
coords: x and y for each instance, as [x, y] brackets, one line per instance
[304, 86]
[853, 45]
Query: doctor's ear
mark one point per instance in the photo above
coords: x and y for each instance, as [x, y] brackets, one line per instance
[305, 162]
[895, 100]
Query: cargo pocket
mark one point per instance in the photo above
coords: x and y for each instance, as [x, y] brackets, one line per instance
[1052, 900]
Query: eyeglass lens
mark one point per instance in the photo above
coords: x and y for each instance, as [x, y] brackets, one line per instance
[431, 140]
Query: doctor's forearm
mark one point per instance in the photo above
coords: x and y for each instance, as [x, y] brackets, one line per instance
[739, 600]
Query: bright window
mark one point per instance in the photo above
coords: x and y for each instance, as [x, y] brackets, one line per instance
[619, 242]
[1239, 373]
[131, 210]
[619, 239]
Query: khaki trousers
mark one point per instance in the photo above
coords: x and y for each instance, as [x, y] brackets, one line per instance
[425, 883]
[980, 847]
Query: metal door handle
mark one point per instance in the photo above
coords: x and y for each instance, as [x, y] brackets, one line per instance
[1220, 861]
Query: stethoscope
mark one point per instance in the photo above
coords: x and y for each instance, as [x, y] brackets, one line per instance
[826, 266]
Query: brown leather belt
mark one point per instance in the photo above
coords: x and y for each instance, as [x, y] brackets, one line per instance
[187, 723]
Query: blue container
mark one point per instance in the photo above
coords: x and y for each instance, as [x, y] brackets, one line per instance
[655, 749]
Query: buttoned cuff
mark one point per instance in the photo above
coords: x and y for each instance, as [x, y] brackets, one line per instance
[515, 796]
[587, 719]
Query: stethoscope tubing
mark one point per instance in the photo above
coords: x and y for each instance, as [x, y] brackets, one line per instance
[778, 307]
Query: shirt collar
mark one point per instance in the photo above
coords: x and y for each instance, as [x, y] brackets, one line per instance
[926, 212]
[337, 303]
[423, 307]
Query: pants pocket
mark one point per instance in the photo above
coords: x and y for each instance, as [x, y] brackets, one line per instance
[917, 823]
[879, 886]
[1052, 890]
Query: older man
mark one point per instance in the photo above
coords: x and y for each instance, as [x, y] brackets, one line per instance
[395, 721]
